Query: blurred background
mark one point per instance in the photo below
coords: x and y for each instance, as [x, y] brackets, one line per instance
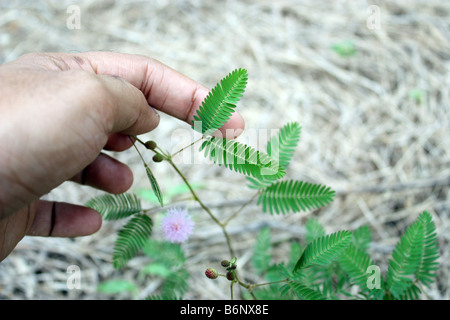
[369, 81]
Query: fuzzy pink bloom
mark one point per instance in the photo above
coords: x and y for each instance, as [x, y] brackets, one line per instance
[177, 225]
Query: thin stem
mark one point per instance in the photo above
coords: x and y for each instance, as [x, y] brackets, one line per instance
[143, 143]
[231, 290]
[196, 198]
[134, 145]
[182, 149]
[240, 209]
[267, 283]
[250, 287]
[138, 140]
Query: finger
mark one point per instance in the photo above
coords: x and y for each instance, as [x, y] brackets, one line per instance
[164, 88]
[131, 113]
[59, 219]
[106, 173]
[118, 142]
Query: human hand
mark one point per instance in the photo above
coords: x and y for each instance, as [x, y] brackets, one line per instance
[57, 112]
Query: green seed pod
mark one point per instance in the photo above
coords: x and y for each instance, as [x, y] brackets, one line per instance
[225, 263]
[151, 145]
[158, 157]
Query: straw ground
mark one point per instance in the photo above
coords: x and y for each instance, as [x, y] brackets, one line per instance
[369, 81]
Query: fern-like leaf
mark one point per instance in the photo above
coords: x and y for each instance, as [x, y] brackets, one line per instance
[362, 237]
[314, 230]
[241, 158]
[169, 254]
[281, 147]
[405, 260]
[115, 206]
[132, 237]
[426, 270]
[414, 259]
[162, 297]
[219, 104]
[295, 196]
[304, 292]
[324, 250]
[154, 184]
[355, 263]
[176, 284]
[261, 253]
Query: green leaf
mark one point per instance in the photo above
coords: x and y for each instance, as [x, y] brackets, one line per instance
[314, 230]
[176, 284]
[154, 185]
[414, 259]
[241, 158]
[362, 237]
[295, 252]
[295, 196]
[418, 95]
[115, 206]
[345, 48]
[162, 297]
[132, 237]
[220, 103]
[428, 264]
[171, 192]
[355, 263]
[157, 269]
[261, 252]
[324, 250]
[405, 260]
[163, 252]
[116, 286]
[305, 293]
[281, 148]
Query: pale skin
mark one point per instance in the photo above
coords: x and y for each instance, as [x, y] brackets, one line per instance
[58, 112]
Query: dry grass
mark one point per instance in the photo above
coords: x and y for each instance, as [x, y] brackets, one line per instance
[385, 151]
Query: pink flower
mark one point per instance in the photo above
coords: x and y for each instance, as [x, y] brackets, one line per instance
[177, 225]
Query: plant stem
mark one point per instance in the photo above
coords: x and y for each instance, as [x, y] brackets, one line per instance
[137, 139]
[134, 145]
[241, 208]
[250, 287]
[177, 152]
[231, 290]
[196, 198]
[267, 283]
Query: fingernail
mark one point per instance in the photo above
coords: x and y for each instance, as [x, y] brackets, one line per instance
[153, 109]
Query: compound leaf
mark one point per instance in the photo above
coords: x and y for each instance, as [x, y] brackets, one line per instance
[219, 104]
[132, 237]
[261, 253]
[324, 250]
[414, 258]
[241, 158]
[304, 292]
[295, 196]
[281, 147]
[155, 185]
[115, 206]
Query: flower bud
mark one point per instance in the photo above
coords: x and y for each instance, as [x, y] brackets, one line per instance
[230, 275]
[225, 263]
[150, 145]
[158, 157]
[211, 273]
